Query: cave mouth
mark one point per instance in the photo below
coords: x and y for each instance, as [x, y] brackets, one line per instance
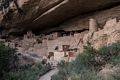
[45, 29]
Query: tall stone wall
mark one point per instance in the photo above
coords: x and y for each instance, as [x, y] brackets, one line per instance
[108, 35]
[93, 26]
[74, 42]
[97, 38]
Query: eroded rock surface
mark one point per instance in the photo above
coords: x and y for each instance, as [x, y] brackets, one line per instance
[42, 14]
[106, 36]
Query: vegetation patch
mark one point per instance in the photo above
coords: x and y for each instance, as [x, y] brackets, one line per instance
[10, 69]
[89, 64]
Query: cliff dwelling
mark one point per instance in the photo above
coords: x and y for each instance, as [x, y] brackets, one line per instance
[59, 39]
[65, 45]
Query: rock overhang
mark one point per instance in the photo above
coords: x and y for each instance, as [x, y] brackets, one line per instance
[51, 13]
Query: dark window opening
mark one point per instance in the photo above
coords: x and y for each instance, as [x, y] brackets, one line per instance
[66, 47]
[56, 48]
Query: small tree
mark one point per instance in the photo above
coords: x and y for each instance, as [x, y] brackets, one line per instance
[6, 59]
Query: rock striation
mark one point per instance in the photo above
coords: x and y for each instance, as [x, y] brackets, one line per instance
[44, 14]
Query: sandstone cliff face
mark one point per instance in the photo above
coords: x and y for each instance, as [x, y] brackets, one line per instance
[45, 45]
[106, 36]
[42, 14]
[98, 27]
[82, 22]
[95, 36]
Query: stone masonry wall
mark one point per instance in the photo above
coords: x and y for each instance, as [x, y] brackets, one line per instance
[108, 35]
[97, 38]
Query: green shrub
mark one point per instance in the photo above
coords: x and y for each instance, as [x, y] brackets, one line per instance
[44, 61]
[89, 63]
[115, 60]
[62, 75]
[62, 64]
[7, 59]
[86, 59]
[28, 72]
[85, 75]
[9, 69]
